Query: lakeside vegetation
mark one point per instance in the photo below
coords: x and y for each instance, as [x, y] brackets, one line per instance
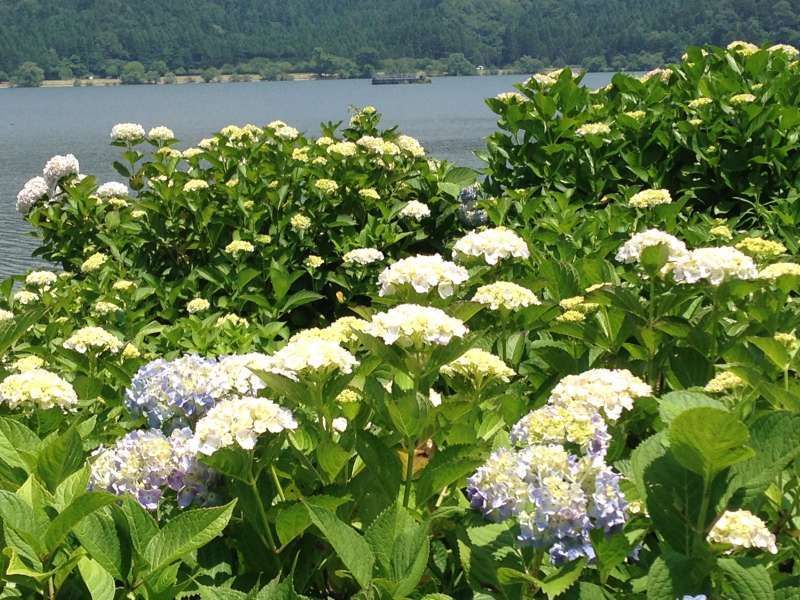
[283, 366]
[70, 39]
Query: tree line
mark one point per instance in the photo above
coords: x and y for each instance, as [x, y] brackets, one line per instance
[149, 41]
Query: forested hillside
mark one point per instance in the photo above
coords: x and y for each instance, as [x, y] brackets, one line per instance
[98, 35]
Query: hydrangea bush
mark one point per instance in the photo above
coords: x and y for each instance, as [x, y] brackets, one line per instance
[277, 367]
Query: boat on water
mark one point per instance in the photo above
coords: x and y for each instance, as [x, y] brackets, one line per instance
[400, 78]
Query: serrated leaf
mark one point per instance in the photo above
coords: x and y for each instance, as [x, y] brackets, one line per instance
[99, 581]
[674, 403]
[59, 457]
[73, 514]
[351, 548]
[559, 582]
[746, 580]
[98, 534]
[185, 533]
[293, 520]
[18, 444]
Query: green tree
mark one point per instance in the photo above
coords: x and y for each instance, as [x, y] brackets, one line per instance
[210, 75]
[133, 73]
[457, 64]
[29, 74]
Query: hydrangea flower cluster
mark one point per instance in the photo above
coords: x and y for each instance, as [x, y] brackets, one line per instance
[41, 279]
[411, 145]
[724, 382]
[34, 190]
[411, 325]
[93, 339]
[650, 198]
[414, 209]
[59, 167]
[713, 265]
[161, 134]
[362, 256]
[177, 392]
[561, 423]
[504, 294]
[423, 274]
[112, 189]
[195, 185]
[761, 248]
[593, 129]
[608, 391]
[308, 355]
[491, 244]
[556, 497]
[300, 222]
[341, 331]
[478, 366]
[197, 305]
[239, 247]
[37, 388]
[777, 270]
[142, 463]
[742, 529]
[240, 421]
[128, 133]
[94, 262]
[631, 251]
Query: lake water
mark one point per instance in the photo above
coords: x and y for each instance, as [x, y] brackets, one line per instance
[449, 117]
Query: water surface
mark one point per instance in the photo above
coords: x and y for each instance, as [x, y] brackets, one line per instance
[448, 116]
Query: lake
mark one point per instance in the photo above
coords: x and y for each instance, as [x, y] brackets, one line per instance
[448, 116]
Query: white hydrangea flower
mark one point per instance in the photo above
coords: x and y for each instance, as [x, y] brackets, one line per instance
[25, 297]
[423, 274]
[59, 167]
[240, 421]
[650, 198]
[94, 262]
[593, 129]
[342, 149]
[41, 279]
[130, 133]
[492, 244]
[714, 265]
[478, 366]
[631, 251]
[506, 295]
[238, 369]
[776, 270]
[112, 189]
[363, 256]
[414, 325]
[306, 355]
[197, 305]
[608, 390]
[33, 191]
[93, 339]
[161, 134]
[742, 529]
[416, 210]
[239, 246]
[411, 145]
[37, 388]
[5, 315]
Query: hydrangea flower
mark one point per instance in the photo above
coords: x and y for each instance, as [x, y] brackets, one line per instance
[34, 190]
[129, 133]
[777, 270]
[300, 222]
[177, 392]
[239, 247]
[143, 463]
[650, 198]
[413, 325]
[41, 279]
[713, 265]
[724, 382]
[504, 294]
[232, 319]
[423, 274]
[37, 388]
[94, 262]
[5, 315]
[310, 356]
[363, 256]
[593, 129]
[411, 145]
[742, 529]
[112, 189]
[369, 194]
[493, 245]
[59, 167]
[576, 424]
[761, 248]
[197, 305]
[341, 331]
[195, 185]
[478, 366]
[415, 210]
[93, 339]
[240, 421]
[161, 134]
[557, 498]
[326, 186]
[609, 391]
[342, 149]
[27, 363]
[631, 251]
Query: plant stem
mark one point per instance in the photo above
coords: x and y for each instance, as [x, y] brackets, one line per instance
[410, 449]
[278, 486]
[269, 541]
[701, 517]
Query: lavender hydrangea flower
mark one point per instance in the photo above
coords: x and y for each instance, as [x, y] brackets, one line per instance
[176, 393]
[556, 497]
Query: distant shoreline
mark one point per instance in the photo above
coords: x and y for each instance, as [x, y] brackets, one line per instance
[189, 79]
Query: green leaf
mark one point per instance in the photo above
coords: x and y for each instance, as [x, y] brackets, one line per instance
[185, 533]
[97, 579]
[278, 590]
[232, 462]
[383, 464]
[401, 546]
[611, 551]
[331, 458]
[452, 465]
[776, 440]
[745, 580]
[665, 582]
[73, 514]
[19, 516]
[559, 582]
[773, 350]
[72, 487]
[141, 525]
[674, 403]
[18, 444]
[708, 440]
[220, 593]
[60, 456]
[98, 534]
[292, 520]
[351, 548]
